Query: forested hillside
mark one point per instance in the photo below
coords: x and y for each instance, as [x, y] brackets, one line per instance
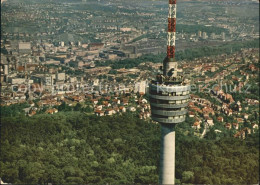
[76, 148]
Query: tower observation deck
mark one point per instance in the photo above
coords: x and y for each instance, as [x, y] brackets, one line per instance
[169, 97]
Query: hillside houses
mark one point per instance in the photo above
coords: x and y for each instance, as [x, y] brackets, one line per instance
[243, 133]
[113, 105]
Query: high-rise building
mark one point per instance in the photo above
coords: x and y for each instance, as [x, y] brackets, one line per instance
[213, 36]
[62, 44]
[6, 69]
[140, 87]
[223, 36]
[204, 35]
[169, 96]
[199, 34]
[48, 80]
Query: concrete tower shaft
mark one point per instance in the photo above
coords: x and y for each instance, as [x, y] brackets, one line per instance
[167, 160]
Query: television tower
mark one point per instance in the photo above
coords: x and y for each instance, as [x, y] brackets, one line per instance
[169, 97]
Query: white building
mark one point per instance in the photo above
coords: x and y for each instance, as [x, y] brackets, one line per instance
[140, 87]
[24, 47]
[48, 80]
[60, 76]
[16, 81]
[5, 69]
[62, 44]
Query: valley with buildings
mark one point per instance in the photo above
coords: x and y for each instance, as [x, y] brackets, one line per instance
[75, 105]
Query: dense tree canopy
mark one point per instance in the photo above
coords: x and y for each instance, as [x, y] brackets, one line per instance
[120, 149]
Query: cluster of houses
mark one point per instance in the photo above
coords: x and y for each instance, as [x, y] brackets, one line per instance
[113, 104]
[202, 111]
[102, 105]
[213, 69]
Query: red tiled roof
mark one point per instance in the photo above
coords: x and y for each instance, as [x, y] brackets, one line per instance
[196, 124]
[98, 111]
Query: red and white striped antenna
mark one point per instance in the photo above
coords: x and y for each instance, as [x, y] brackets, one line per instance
[169, 63]
[171, 29]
